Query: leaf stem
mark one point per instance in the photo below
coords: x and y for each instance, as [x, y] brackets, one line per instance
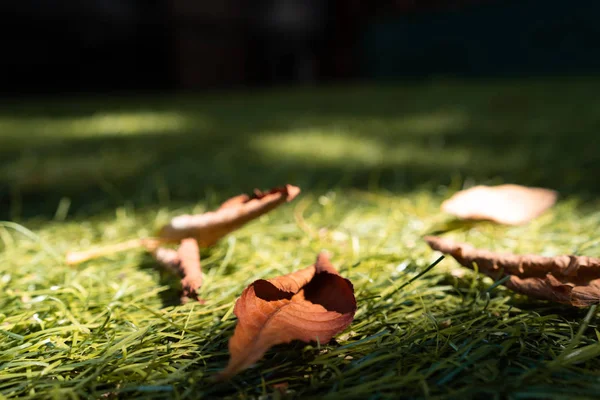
[73, 258]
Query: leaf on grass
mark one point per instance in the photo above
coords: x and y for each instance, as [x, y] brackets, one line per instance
[566, 279]
[505, 204]
[313, 304]
[210, 227]
[194, 231]
[206, 228]
[185, 262]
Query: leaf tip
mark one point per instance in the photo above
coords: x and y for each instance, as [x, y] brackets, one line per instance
[430, 239]
[292, 191]
[323, 256]
[436, 243]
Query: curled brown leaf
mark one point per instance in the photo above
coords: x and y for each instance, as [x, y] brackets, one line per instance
[505, 204]
[207, 228]
[313, 304]
[210, 227]
[185, 262]
[566, 279]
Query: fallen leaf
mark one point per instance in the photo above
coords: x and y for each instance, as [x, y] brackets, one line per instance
[210, 227]
[566, 279]
[204, 230]
[185, 262]
[313, 304]
[207, 228]
[505, 204]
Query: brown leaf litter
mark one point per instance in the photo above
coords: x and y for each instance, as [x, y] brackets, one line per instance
[312, 304]
[193, 232]
[504, 204]
[208, 228]
[185, 262]
[566, 279]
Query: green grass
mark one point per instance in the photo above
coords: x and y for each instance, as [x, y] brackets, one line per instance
[374, 164]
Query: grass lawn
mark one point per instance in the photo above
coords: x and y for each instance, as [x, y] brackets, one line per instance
[374, 163]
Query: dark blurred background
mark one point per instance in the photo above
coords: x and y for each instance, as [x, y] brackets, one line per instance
[95, 111]
[57, 46]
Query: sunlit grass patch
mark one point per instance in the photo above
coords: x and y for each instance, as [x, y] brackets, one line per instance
[374, 171]
[97, 124]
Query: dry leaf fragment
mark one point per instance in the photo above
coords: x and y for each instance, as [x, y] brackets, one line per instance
[210, 227]
[207, 228]
[505, 204]
[313, 304]
[194, 231]
[185, 262]
[566, 279]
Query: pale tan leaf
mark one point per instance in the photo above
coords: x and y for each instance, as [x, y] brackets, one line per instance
[505, 204]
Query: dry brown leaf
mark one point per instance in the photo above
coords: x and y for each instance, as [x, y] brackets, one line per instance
[313, 304]
[505, 204]
[207, 228]
[566, 279]
[210, 227]
[194, 231]
[185, 262]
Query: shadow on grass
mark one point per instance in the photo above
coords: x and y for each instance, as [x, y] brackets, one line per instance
[104, 153]
[171, 296]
